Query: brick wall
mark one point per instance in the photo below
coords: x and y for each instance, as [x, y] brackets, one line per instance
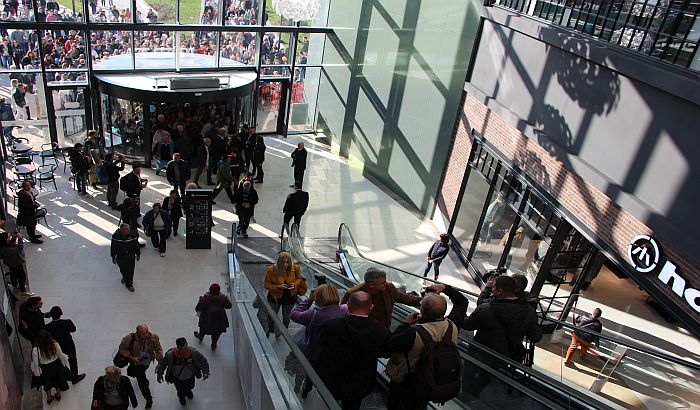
[615, 226]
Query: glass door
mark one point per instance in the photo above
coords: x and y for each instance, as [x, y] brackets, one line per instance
[69, 110]
[272, 106]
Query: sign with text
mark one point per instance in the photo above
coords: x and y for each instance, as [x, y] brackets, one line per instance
[644, 253]
[198, 218]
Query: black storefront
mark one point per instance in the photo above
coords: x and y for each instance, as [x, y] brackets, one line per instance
[504, 221]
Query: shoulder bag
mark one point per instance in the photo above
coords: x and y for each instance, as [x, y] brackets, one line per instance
[119, 359]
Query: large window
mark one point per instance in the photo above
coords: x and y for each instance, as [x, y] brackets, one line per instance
[501, 222]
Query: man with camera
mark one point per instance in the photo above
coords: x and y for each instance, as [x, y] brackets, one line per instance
[407, 344]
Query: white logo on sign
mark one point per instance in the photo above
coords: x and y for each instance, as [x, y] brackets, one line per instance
[643, 253]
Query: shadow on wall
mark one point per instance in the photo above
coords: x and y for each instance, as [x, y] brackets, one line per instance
[389, 121]
[630, 139]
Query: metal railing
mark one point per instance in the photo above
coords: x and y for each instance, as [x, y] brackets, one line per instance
[657, 364]
[666, 30]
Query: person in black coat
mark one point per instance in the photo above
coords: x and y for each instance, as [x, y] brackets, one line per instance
[299, 164]
[80, 167]
[350, 345]
[132, 184]
[501, 325]
[61, 330]
[130, 212]
[31, 318]
[258, 157]
[28, 210]
[212, 314]
[436, 253]
[172, 204]
[245, 199]
[178, 173]
[125, 251]
[113, 380]
[13, 256]
[295, 205]
[112, 168]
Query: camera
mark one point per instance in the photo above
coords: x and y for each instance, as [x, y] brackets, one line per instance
[494, 273]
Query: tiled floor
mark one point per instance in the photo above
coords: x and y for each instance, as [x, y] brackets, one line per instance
[72, 267]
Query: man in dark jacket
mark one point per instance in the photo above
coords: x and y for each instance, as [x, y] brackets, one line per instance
[28, 210]
[31, 318]
[61, 330]
[583, 338]
[125, 251]
[132, 184]
[408, 345]
[245, 199]
[350, 346]
[295, 205]
[501, 325]
[80, 167]
[299, 164]
[178, 173]
[112, 168]
[181, 365]
[258, 157]
[437, 253]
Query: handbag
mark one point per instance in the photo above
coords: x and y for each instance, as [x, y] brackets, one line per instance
[119, 359]
[302, 339]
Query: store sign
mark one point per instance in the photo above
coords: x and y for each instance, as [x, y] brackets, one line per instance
[645, 256]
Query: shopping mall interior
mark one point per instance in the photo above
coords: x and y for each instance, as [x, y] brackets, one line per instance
[551, 139]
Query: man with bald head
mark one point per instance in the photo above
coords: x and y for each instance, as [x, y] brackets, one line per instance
[140, 349]
[409, 339]
[350, 346]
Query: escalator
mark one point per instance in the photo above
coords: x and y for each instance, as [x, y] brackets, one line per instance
[518, 387]
[642, 366]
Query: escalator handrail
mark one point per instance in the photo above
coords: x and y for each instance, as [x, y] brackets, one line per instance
[569, 326]
[303, 361]
[400, 311]
[343, 226]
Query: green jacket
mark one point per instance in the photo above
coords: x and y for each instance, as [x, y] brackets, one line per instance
[223, 175]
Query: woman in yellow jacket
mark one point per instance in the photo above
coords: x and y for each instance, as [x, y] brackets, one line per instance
[283, 282]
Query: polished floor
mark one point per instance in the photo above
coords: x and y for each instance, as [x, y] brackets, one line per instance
[72, 268]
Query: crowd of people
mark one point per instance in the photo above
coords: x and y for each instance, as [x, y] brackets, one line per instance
[344, 336]
[54, 360]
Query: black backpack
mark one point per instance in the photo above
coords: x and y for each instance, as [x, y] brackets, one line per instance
[438, 374]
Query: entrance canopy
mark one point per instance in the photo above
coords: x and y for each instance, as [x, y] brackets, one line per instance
[173, 87]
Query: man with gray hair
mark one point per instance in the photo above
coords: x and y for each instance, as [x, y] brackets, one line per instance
[384, 295]
[350, 346]
[125, 250]
[409, 340]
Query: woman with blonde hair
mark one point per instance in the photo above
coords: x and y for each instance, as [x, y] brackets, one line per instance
[284, 283]
[327, 306]
[113, 391]
[49, 363]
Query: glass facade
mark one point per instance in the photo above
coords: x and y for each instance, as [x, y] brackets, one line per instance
[503, 223]
[60, 60]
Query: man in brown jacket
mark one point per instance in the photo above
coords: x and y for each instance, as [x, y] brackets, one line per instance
[140, 349]
[384, 295]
